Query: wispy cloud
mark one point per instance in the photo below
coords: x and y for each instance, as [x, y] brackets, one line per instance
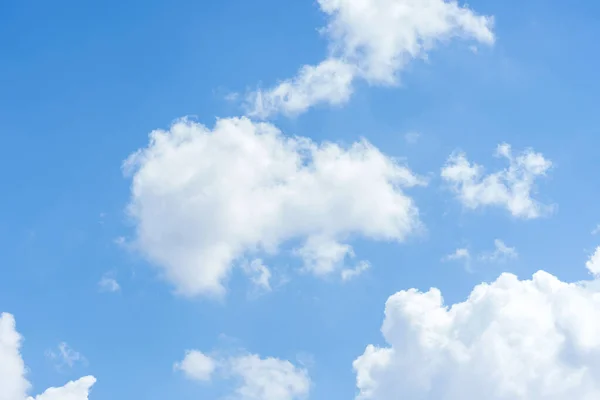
[500, 253]
[350, 273]
[412, 137]
[459, 254]
[108, 284]
[64, 355]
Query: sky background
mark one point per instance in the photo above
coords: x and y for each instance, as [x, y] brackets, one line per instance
[81, 87]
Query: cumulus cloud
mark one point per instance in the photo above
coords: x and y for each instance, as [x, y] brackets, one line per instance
[13, 382]
[371, 40]
[511, 339]
[269, 378]
[258, 378]
[197, 366]
[203, 199]
[593, 264]
[75, 390]
[510, 188]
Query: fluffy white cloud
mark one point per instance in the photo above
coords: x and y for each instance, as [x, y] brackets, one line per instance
[535, 339]
[75, 390]
[322, 254]
[197, 366]
[593, 264]
[372, 40]
[13, 382]
[269, 378]
[203, 199]
[259, 378]
[510, 188]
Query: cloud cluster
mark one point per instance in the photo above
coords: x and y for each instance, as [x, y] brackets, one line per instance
[259, 378]
[511, 339]
[510, 188]
[371, 40]
[13, 382]
[205, 199]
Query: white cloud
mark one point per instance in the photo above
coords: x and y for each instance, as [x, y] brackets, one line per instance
[535, 339]
[501, 252]
[269, 378]
[75, 390]
[108, 284]
[329, 82]
[258, 378]
[259, 274]
[596, 230]
[66, 355]
[412, 137]
[459, 254]
[351, 273]
[13, 382]
[323, 255]
[510, 188]
[197, 366]
[593, 264]
[202, 200]
[371, 40]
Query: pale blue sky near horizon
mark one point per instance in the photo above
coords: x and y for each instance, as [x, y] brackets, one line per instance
[82, 85]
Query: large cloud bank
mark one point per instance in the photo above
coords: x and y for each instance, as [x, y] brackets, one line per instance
[535, 339]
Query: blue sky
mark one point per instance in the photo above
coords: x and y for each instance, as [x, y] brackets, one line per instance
[83, 85]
